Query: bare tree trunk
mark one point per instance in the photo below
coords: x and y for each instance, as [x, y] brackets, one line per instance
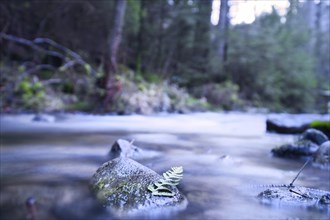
[223, 29]
[318, 41]
[111, 65]
[141, 44]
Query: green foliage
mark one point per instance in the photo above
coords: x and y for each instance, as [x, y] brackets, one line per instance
[68, 88]
[163, 186]
[132, 16]
[223, 95]
[80, 106]
[32, 94]
[277, 62]
[269, 62]
[88, 68]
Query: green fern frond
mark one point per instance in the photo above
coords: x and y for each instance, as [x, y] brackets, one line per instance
[171, 178]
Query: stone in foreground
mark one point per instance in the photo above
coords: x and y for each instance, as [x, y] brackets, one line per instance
[122, 185]
[296, 196]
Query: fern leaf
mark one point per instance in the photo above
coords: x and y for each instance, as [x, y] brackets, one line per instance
[171, 178]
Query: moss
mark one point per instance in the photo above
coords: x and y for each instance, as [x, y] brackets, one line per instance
[129, 194]
[320, 124]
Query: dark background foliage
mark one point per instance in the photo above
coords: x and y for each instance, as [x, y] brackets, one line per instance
[277, 62]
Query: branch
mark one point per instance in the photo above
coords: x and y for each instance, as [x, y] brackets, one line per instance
[30, 44]
[38, 67]
[301, 169]
[71, 61]
[58, 46]
[51, 81]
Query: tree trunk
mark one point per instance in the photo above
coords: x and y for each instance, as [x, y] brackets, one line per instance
[318, 41]
[141, 44]
[223, 29]
[110, 65]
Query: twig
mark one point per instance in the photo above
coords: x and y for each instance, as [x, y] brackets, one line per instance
[303, 195]
[301, 169]
[131, 142]
[69, 64]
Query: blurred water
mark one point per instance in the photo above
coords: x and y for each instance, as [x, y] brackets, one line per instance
[221, 170]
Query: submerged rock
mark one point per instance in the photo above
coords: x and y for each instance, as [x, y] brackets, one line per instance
[123, 148]
[296, 196]
[122, 185]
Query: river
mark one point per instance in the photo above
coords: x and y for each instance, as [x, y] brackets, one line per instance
[226, 157]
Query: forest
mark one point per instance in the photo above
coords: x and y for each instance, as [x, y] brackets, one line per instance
[142, 56]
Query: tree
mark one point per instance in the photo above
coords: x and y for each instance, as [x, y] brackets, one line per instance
[223, 30]
[111, 57]
[269, 61]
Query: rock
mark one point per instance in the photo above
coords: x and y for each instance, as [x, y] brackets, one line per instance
[281, 127]
[296, 150]
[296, 196]
[43, 118]
[314, 136]
[292, 124]
[307, 146]
[123, 148]
[121, 185]
[322, 155]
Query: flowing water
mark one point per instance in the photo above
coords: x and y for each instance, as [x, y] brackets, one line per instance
[226, 157]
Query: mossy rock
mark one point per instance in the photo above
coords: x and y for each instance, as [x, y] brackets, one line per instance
[121, 185]
[323, 126]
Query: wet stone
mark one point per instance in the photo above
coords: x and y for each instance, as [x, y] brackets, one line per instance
[121, 185]
[296, 196]
[124, 148]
